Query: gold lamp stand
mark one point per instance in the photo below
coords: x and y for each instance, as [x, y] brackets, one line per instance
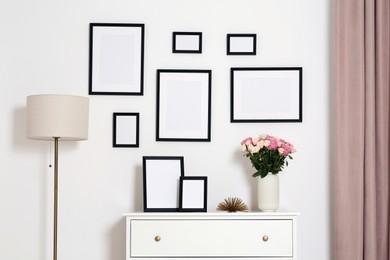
[53, 116]
[55, 198]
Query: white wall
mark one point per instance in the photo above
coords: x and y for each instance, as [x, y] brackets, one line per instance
[44, 49]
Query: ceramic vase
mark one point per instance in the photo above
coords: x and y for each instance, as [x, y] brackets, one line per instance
[268, 193]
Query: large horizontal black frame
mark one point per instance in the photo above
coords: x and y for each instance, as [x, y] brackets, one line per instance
[161, 180]
[251, 51]
[294, 74]
[117, 127]
[165, 133]
[203, 193]
[175, 48]
[135, 51]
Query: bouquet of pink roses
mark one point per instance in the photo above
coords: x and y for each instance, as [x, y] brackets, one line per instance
[268, 154]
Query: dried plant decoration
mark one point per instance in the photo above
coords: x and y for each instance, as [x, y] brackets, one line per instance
[232, 205]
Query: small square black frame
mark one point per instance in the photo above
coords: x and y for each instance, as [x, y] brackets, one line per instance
[175, 48]
[182, 207]
[116, 127]
[229, 37]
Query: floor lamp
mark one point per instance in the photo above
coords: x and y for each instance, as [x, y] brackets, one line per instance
[58, 118]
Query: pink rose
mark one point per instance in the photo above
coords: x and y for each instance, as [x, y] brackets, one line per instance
[247, 141]
[273, 143]
[281, 142]
[288, 148]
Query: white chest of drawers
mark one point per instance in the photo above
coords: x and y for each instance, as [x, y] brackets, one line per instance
[214, 236]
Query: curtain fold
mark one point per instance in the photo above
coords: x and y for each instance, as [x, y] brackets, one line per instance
[361, 147]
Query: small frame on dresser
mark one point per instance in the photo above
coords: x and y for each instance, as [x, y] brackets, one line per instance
[125, 130]
[116, 59]
[187, 42]
[241, 44]
[183, 105]
[266, 95]
[193, 194]
[161, 177]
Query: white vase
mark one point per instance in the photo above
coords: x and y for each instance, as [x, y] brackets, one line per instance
[268, 192]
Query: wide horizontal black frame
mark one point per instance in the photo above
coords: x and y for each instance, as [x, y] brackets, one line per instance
[256, 120]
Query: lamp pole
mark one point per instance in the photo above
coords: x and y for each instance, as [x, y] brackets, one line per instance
[55, 197]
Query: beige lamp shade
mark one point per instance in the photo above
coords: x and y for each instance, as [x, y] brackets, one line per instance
[62, 116]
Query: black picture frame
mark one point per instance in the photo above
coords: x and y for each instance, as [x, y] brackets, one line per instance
[125, 129]
[161, 180]
[116, 58]
[266, 94]
[193, 194]
[183, 105]
[187, 42]
[241, 44]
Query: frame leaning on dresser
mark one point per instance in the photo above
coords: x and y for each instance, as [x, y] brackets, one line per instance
[216, 236]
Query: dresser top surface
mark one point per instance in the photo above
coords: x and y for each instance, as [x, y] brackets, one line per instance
[210, 214]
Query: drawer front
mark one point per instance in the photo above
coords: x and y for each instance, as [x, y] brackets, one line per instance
[211, 238]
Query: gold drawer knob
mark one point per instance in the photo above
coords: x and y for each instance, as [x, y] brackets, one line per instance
[157, 238]
[265, 238]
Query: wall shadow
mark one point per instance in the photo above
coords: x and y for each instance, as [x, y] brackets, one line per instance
[138, 189]
[247, 171]
[117, 238]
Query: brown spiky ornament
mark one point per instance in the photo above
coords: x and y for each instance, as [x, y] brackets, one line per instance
[232, 205]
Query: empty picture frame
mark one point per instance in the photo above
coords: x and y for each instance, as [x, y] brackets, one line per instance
[161, 178]
[116, 59]
[187, 42]
[183, 105]
[241, 44]
[266, 94]
[193, 194]
[125, 130]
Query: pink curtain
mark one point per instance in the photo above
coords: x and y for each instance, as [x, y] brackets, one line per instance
[361, 130]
